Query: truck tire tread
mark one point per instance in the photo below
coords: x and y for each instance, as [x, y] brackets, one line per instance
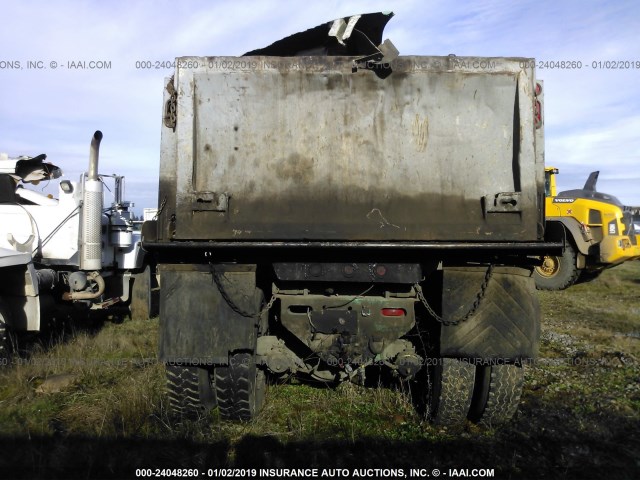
[189, 397]
[504, 395]
[453, 392]
[239, 388]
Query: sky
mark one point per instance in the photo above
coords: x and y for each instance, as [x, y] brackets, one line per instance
[592, 111]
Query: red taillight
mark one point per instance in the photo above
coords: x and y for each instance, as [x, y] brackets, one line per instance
[349, 270]
[381, 270]
[393, 312]
[538, 89]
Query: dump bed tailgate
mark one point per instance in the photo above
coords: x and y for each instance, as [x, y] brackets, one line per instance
[310, 148]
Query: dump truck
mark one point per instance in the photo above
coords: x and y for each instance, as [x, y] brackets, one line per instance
[67, 254]
[597, 230]
[332, 211]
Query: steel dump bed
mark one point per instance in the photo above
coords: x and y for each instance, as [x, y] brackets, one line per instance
[327, 206]
[444, 149]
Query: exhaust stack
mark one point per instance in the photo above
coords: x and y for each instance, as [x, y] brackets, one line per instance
[91, 227]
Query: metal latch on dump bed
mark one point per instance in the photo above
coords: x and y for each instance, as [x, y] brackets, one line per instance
[210, 202]
[503, 202]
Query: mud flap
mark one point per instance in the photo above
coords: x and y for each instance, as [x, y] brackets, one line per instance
[197, 324]
[506, 325]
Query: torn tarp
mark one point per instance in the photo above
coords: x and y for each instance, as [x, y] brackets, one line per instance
[30, 169]
[357, 36]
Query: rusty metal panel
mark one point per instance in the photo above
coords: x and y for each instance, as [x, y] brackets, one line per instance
[310, 148]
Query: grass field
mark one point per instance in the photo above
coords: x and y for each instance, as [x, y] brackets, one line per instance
[92, 405]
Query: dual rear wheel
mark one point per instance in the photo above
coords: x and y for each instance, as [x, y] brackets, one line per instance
[237, 389]
[484, 394]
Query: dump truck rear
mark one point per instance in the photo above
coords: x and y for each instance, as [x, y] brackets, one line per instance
[332, 217]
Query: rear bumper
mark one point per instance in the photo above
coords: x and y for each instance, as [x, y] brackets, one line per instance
[506, 253]
[533, 248]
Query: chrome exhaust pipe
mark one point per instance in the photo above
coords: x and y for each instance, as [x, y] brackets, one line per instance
[94, 151]
[91, 226]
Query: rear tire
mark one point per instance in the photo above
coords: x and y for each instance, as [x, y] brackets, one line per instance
[240, 388]
[453, 384]
[497, 394]
[557, 272]
[191, 391]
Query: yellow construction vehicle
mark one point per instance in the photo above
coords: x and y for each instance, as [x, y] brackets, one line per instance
[596, 230]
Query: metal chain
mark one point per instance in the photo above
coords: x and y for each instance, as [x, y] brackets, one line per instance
[268, 306]
[474, 308]
[162, 205]
[216, 278]
[170, 116]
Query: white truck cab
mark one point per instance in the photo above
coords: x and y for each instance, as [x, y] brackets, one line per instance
[57, 251]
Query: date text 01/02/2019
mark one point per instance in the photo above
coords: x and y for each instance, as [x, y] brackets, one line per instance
[580, 65]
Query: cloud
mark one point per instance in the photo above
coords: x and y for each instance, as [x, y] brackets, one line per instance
[616, 147]
[590, 113]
